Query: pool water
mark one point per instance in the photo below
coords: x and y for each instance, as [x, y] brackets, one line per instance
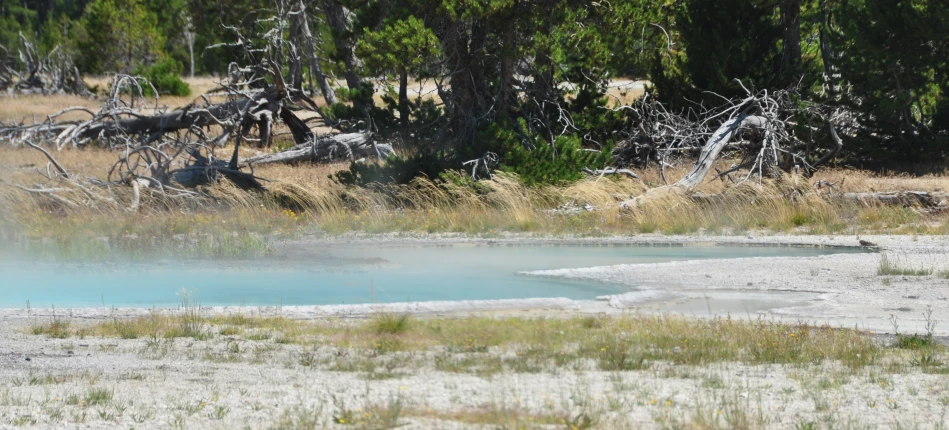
[338, 274]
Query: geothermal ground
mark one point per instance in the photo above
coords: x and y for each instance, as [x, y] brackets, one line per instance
[703, 344]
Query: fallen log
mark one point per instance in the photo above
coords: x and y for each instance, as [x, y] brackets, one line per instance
[262, 109]
[899, 198]
[169, 121]
[718, 141]
[205, 171]
[350, 146]
[756, 128]
[932, 201]
[599, 173]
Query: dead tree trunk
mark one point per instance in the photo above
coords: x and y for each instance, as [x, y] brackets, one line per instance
[316, 68]
[345, 48]
[791, 21]
[51, 73]
[900, 198]
[404, 99]
[719, 140]
[170, 121]
[296, 54]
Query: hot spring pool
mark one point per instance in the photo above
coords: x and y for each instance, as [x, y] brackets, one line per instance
[350, 274]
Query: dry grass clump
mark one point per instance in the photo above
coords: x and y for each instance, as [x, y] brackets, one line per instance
[778, 205]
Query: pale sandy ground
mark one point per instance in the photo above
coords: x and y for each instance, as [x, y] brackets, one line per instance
[162, 384]
[849, 292]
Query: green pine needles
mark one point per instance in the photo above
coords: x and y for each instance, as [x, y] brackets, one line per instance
[557, 163]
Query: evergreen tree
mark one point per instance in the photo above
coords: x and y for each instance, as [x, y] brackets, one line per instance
[401, 47]
[725, 42]
[893, 55]
[14, 19]
[173, 16]
[211, 19]
[119, 36]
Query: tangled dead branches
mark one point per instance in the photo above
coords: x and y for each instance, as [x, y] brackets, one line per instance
[761, 133]
[171, 151]
[764, 132]
[34, 73]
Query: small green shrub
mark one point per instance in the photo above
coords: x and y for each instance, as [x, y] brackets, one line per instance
[57, 329]
[914, 341]
[559, 163]
[462, 179]
[165, 77]
[395, 170]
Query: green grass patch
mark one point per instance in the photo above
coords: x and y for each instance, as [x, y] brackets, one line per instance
[98, 396]
[890, 267]
[490, 345]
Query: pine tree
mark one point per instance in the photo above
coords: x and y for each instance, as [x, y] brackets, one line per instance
[120, 36]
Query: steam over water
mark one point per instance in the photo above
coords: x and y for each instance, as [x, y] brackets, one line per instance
[336, 274]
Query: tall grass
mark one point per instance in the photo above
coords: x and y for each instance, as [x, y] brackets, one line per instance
[191, 324]
[230, 223]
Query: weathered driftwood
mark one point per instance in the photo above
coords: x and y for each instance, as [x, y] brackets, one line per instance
[599, 173]
[325, 148]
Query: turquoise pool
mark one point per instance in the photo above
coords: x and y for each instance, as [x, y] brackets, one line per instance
[337, 274]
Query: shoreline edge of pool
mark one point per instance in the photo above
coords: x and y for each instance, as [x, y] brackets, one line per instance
[844, 289]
